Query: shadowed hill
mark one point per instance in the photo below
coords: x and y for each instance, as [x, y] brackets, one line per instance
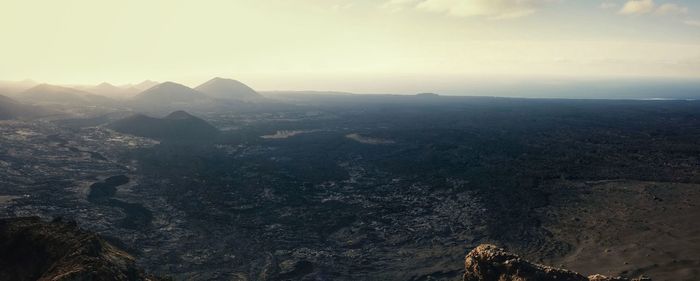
[11, 109]
[178, 125]
[222, 88]
[31, 249]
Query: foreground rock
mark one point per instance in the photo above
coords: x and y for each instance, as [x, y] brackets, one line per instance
[490, 263]
[31, 249]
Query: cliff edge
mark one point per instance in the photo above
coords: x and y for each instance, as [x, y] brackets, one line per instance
[31, 249]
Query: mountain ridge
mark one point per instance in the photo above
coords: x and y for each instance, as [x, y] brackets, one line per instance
[54, 94]
[224, 88]
[168, 93]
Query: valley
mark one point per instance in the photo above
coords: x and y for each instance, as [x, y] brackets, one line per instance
[374, 188]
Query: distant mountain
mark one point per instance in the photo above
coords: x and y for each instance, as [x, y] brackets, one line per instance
[178, 125]
[145, 85]
[12, 109]
[14, 87]
[9, 108]
[427, 95]
[168, 93]
[52, 94]
[104, 86]
[6, 107]
[222, 88]
[109, 90]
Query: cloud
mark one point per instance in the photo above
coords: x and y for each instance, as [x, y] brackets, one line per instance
[493, 9]
[671, 9]
[695, 23]
[638, 7]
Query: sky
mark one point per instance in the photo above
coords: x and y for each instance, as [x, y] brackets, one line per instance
[344, 45]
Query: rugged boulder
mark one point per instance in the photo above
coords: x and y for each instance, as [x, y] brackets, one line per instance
[490, 263]
[31, 249]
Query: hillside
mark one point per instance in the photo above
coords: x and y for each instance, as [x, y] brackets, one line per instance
[11, 109]
[145, 85]
[14, 87]
[178, 125]
[8, 108]
[109, 90]
[222, 88]
[31, 249]
[52, 94]
[168, 93]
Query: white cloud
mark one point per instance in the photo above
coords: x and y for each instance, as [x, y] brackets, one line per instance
[695, 23]
[671, 9]
[494, 9]
[638, 7]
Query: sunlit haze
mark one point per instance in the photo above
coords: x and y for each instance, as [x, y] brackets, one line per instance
[350, 140]
[360, 46]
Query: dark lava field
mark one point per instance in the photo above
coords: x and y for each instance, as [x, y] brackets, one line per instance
[348, 187]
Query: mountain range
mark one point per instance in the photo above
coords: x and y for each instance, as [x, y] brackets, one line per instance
[147, 96]
[53, 94]
[112, 91]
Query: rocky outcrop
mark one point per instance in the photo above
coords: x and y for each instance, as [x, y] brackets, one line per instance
[490, 263]
[31, 249]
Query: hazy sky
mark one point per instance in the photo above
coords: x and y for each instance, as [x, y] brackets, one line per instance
[361, 45]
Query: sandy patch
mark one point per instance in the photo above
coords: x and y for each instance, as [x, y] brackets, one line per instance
[283, 134]
[628, 228]
[4, 199]
[368, 140]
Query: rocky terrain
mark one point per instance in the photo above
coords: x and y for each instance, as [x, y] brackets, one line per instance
[31, 249]
[626, 227]
[376, 188]
[490, 263]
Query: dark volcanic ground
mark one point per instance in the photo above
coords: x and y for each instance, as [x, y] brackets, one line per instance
[374, 188]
